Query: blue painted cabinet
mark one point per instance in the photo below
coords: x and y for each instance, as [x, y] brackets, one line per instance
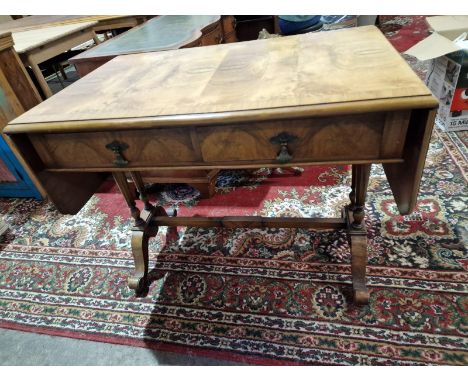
[22, 186]
[17, 94]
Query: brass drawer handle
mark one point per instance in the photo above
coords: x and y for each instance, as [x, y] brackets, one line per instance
[117, 147]
[283, 139]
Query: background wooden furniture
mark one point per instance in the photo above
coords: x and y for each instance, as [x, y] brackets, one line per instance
[341, 97]
[229, 29]
[17, 94]
[42, 21]
[36, 46]
[158, 34]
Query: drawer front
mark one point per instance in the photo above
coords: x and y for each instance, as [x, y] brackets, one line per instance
[368, 137]
[356, 137]
[101, 149]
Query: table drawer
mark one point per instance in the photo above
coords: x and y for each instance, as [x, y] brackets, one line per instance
[328, 139]
[356, 137]
[139, 148]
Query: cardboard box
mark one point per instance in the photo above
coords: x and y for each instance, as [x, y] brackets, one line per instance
[447, 75]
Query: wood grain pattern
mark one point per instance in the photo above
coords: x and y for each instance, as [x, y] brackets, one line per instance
[350, 73]
[15, 72]
[310, 71]
[360, 137]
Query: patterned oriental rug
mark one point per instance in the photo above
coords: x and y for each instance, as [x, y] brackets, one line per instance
[277, 296]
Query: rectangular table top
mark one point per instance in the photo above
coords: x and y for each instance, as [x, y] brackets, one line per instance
[160, 33]
[350, 69]
[30, 39]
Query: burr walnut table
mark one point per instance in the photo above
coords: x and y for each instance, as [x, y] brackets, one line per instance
[340, 97]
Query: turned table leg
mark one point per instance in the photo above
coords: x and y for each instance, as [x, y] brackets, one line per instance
[357, 232]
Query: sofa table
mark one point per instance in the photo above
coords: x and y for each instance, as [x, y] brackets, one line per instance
[340, 97]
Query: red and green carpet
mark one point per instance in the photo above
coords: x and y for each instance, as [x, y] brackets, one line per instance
[277, 296]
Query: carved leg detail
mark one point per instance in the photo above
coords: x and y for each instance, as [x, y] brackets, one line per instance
[139, 279]
[358, 268]
[140, 237]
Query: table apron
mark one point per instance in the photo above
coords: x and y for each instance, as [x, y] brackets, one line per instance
[353, 139]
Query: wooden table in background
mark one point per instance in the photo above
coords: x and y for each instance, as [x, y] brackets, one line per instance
[104, 22]
[38, 45]
[341, 97]
[159, 34]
